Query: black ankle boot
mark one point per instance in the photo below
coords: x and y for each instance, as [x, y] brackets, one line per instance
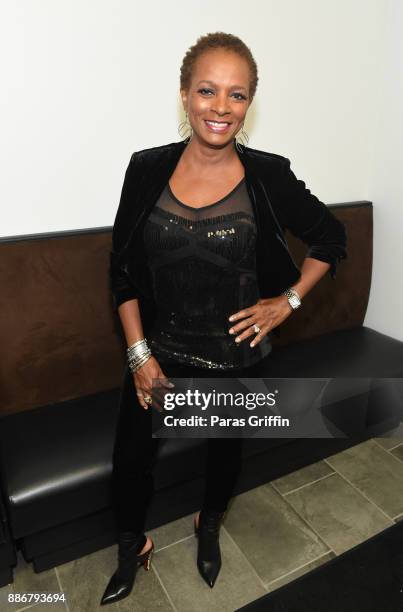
[129, 559]
[208, 553]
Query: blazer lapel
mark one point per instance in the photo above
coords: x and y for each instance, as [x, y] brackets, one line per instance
[158, 177]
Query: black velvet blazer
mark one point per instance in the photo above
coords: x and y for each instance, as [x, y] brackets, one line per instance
[280, 201]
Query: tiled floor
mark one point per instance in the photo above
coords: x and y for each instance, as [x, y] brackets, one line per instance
[270, 536]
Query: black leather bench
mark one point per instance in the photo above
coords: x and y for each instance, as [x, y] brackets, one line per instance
[66, 364]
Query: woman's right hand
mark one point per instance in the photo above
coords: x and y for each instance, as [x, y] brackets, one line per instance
[143, 381]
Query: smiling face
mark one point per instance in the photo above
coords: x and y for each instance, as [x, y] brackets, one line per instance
[218, 96]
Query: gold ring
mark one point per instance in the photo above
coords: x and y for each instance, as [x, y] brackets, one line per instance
[148, 399]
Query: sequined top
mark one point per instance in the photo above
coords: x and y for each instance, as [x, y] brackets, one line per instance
[203, 268]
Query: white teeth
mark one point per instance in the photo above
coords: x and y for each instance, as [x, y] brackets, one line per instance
[219, 123]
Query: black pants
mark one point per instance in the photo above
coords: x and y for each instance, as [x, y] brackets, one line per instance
[135, 453]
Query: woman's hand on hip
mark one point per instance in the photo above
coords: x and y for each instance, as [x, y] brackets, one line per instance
[267, 314]
[143, 381]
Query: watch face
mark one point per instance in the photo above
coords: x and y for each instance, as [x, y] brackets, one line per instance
[293, 299]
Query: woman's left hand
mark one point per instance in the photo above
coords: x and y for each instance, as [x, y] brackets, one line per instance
[267, 313]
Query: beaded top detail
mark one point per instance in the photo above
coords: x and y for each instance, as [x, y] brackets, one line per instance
[203, 267]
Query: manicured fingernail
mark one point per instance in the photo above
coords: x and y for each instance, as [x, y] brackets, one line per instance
[231, 331]
[252, 344]
[237, 339]
[231, 319]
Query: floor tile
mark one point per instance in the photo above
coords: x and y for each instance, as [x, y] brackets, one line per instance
[236, 585]
[272, 536]
[375, 472]
[398, 452]
[58, 606]
[301, 477]
[388, 443]
[272, 586]
[338, 512]
[172, 532]
[84, 581]
[27, 581]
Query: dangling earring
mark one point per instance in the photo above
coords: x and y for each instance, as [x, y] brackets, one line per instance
[185, 125]
[245, 138]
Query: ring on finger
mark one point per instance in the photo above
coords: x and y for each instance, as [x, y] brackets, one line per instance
[256, 328]
[146, 398]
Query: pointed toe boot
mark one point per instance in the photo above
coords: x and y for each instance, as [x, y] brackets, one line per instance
[208, 552]
[129, 560]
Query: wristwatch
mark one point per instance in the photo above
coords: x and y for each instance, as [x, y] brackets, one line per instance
[293, 298]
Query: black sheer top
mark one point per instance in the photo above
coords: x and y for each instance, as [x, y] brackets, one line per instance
[203, 266]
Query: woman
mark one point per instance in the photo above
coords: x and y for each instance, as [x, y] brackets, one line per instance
[201, 275]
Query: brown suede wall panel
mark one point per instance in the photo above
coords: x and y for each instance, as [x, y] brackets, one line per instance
[339, 303]
[60, 338]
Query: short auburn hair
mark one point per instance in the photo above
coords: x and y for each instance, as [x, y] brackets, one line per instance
[218, 40]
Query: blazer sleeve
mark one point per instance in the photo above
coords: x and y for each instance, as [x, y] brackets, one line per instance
[121, 285]
[311, 221]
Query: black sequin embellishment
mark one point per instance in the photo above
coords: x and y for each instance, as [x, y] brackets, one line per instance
[203, 265]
